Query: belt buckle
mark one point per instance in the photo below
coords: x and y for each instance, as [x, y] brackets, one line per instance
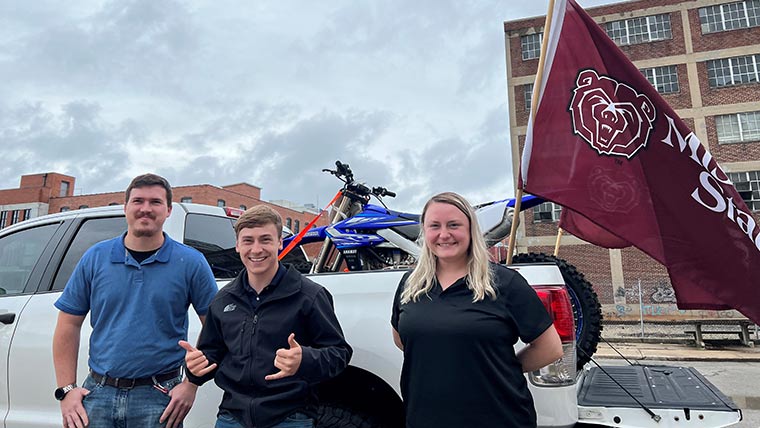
[127, 383]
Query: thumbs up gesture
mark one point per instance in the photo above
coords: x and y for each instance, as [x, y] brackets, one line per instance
[195, 360]
[287, 360]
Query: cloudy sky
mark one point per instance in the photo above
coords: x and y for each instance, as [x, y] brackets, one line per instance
[412, 94]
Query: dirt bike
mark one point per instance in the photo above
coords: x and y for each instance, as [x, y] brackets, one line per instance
[365, 236]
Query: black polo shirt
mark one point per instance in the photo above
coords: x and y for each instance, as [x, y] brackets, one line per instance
[460, 368]
[256, 298]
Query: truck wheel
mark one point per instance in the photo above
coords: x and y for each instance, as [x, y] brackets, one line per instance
[586, 308]
[337, 416]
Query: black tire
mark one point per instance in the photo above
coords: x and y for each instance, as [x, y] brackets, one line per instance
[337, 416]
[303, 267]
[297, 259]
[586, 308]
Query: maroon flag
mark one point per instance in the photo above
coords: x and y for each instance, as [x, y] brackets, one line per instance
[586, 229]
[605, 145]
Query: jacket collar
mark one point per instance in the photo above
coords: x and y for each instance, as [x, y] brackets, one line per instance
[289, 284]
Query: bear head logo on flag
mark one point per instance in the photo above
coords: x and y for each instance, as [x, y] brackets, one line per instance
[610, 116]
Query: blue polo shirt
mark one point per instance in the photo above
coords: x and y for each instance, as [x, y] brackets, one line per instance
[138, 311]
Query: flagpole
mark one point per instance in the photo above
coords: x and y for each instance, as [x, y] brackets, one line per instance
[513, 230]
[556, 244]
[534, 98]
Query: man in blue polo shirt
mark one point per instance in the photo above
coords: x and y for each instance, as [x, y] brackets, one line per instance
[137, 288]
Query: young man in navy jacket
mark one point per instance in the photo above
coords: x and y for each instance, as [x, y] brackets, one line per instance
[270, 335]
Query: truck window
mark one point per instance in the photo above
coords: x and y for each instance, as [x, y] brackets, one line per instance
[215, 238]
[90, 233]
[19, 253]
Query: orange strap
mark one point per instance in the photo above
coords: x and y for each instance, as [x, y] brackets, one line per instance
[300, 235]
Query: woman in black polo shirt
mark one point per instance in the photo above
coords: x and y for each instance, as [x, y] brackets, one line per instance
[457, 317]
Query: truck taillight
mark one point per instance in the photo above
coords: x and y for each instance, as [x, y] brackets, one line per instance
[557, 303]
[233, 212]
[561, 372]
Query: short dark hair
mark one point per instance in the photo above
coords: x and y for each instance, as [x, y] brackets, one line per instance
[149, 179]
[257, 216]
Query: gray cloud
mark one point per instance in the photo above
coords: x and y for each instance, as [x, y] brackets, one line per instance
[135, 46]
[42, 141]
[412, 95]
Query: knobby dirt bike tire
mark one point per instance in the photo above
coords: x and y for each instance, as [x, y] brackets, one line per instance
[586, 308]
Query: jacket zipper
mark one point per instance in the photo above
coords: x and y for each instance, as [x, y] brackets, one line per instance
[253, 348]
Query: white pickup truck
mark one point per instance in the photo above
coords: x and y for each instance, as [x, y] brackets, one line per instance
[37, 256]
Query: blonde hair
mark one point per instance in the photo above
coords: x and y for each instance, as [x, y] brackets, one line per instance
[479, 277]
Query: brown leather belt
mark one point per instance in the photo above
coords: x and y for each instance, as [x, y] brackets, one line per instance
[126, 383]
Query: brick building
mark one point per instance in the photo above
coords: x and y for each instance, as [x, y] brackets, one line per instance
[40, 194]
[703, 56]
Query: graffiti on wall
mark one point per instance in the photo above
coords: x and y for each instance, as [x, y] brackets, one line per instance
[651, 292]
[665, 310]
[664, 294]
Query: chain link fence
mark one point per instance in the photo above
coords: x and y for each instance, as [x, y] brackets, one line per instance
[645, 310]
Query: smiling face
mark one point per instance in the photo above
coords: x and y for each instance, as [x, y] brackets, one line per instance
[258, 247]
[146, 211]
[447, 233]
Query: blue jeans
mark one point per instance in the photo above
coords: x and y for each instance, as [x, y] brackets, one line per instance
[141, 406]
[296, 420]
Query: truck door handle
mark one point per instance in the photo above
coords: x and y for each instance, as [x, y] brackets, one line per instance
[7, 318]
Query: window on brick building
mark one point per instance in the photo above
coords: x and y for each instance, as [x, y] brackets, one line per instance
[739, 127]
[640, 30]
[531, 46]
[729, 16]
[64, 189]
[64, 209]
[548, 211]
[288, 222]
[297, 226]
[3, 219]
[15, 216]
[27, 214]
[221, 203]
[748, 186]
[186, 200]
[81, 207]
[243, 207]
[664, 79]
[733, 71]
[528, 95]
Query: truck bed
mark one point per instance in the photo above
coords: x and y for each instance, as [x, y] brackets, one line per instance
[679, 395]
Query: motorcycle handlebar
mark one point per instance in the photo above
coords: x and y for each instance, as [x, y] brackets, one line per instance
[382, 191]
[344, 170]
[359, 189]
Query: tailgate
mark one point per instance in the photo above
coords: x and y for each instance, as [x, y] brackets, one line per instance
[678, 396]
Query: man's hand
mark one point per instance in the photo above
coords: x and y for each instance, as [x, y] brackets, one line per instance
[72, 409]
[287, 360]
[182, 398]
[195, 360]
